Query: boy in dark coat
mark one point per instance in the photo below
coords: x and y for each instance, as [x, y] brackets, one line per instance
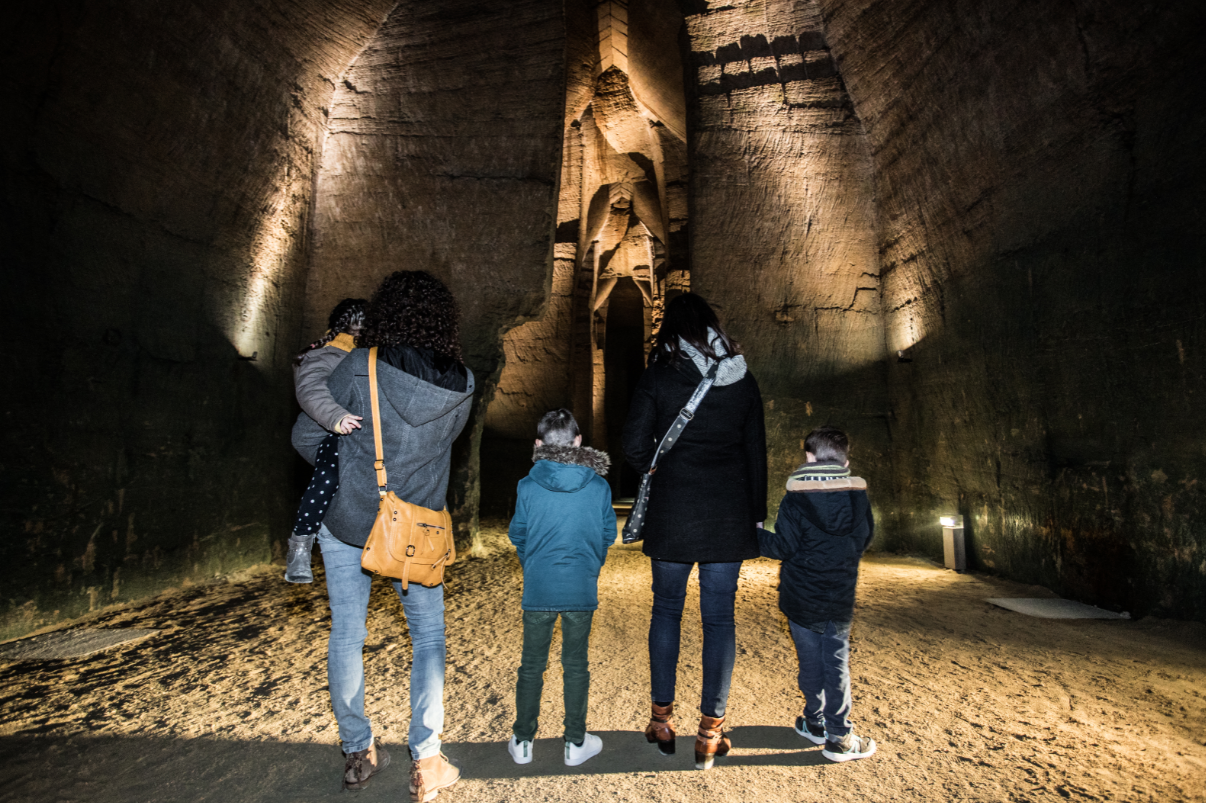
[562, 528]
[823, 527]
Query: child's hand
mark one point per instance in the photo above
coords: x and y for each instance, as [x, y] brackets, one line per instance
[348, 423]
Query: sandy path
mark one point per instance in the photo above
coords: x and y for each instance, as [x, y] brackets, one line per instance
[967, 701]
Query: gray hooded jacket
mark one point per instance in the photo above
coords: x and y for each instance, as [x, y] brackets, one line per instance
[310, 381]
[419, 423]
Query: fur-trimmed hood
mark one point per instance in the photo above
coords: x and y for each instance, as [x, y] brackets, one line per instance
[593, 459]
[567, 469]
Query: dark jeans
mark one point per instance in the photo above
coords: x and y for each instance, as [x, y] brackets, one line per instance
[575, 666]
[323, 485]
[825, 675]
[717, 593]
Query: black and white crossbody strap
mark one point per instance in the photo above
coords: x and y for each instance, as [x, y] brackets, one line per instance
[636, 518]
[684, 416]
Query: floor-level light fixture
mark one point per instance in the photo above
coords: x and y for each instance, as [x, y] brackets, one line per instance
[954, 548]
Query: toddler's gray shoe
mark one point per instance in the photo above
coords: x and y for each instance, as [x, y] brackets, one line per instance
[812, 731]
[297, 559]
[848, 748]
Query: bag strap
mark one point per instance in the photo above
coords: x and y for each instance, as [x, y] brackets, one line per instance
[684, 416]
[382, 481]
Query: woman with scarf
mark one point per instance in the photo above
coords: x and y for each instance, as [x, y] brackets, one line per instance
[707, 499]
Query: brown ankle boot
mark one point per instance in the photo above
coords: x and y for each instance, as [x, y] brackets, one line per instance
[661, 729]
[429, 775]
[711, 742]
[364, 764]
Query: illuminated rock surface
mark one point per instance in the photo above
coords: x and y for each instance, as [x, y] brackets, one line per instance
[1040, 178]
[1007, 195]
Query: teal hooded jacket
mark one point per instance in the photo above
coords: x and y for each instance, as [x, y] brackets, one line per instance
[562, 528]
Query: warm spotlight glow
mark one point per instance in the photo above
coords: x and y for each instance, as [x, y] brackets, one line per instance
[253, 334]
[906, 329]
[951, 521]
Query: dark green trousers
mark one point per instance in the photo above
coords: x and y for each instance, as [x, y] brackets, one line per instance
[575, 665]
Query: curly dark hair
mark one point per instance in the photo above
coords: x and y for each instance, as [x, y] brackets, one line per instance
[413, 308]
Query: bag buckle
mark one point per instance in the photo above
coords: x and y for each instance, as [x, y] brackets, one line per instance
[410, 550]
[687, 414]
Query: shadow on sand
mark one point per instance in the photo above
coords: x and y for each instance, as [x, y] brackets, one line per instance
[101, 768]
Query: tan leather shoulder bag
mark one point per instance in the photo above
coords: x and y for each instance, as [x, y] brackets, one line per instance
[408, 542]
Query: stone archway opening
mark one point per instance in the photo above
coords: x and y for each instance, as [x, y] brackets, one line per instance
[624, 355]
[620, 247]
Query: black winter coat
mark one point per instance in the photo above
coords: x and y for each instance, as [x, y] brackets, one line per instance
[710, 489]
[820, 538]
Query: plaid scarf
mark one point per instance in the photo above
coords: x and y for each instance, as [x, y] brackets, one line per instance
[819, 472]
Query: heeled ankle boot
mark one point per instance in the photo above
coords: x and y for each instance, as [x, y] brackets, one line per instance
[710, 742]
[661, 729]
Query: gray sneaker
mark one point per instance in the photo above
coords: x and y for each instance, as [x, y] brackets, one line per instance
[848, 748]
[812, 731]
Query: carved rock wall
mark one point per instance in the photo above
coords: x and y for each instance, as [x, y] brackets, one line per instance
[1010, 194]
[443, 155]
[784, 230]
[157, 179]
[1041, 178]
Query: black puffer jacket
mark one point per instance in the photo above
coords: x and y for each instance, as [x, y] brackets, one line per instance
[710, 489]
[820, 537]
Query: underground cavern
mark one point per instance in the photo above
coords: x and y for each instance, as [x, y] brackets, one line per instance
[1005, 196]
[970, 233]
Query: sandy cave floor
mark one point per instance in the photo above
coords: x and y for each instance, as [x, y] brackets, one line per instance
[967, 701]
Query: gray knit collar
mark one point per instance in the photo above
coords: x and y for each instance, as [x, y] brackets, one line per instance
[593, 459]
[731, 370]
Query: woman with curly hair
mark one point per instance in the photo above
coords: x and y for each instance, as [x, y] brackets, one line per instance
[425, 392]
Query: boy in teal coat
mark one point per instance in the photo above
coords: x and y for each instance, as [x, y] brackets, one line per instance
[562, 528]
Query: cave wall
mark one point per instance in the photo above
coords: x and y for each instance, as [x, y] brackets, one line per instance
[1041, 177]
[1009, 194]
[443, 154]
[157, 177]
[535, 374]
[783, 226]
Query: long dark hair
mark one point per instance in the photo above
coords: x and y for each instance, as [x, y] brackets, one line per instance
[688, 316]
[346, 318]
[413, 308]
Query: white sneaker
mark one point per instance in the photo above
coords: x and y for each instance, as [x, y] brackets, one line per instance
[579, 754]
[520, 751]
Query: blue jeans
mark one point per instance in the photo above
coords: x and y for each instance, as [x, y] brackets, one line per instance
[717, 594]
[825, 675]
[348, 589]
